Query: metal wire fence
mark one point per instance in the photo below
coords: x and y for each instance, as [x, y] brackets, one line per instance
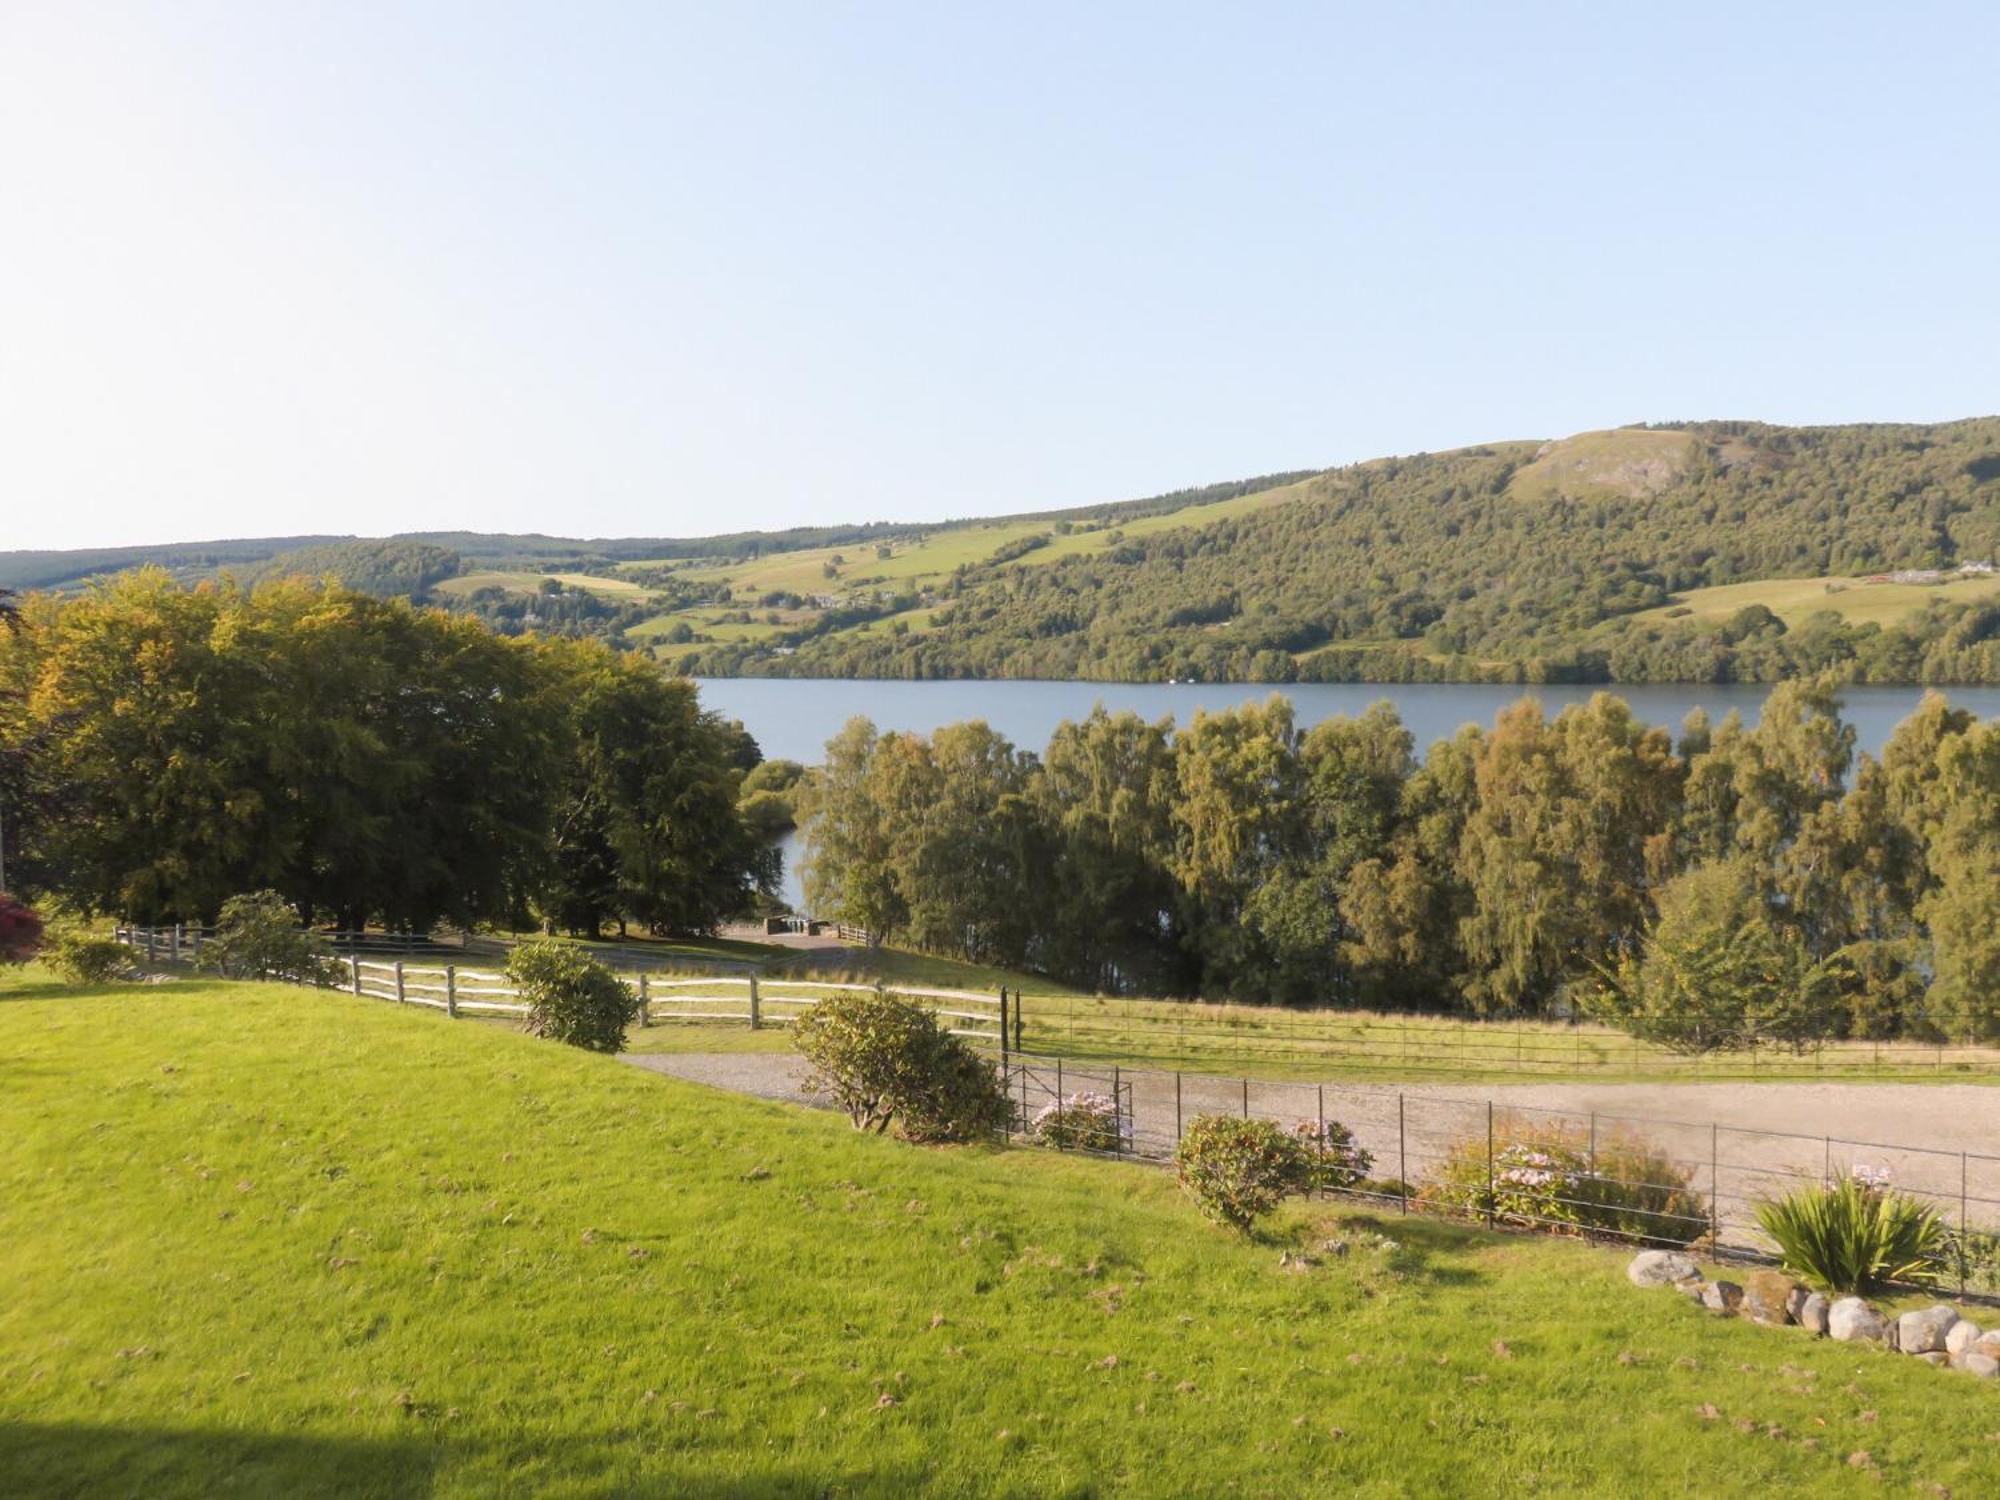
[1635, 1177]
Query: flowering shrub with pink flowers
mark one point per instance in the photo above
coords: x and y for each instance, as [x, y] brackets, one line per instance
[1551, 1177]
[1338, 1161]
[1082, 1122]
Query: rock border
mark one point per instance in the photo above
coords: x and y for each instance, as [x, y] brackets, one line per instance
[1938, 1335]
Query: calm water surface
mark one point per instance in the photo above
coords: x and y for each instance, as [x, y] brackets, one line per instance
[794, 717]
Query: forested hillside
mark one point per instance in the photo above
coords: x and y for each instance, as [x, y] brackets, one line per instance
[1519, 561]
[1707, 551]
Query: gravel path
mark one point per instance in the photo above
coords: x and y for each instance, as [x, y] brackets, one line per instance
[1739, 1141]
[768, 1075]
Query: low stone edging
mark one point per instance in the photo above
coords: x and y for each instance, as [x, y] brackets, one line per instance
[1938, 1335]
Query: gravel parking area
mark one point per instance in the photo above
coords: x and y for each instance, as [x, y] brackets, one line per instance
[1736, 1141]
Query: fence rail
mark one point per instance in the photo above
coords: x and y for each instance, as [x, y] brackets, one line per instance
[1168, 1032]
[748, 999]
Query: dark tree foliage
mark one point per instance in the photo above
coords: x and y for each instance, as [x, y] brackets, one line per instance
[1768, 877]
[366, 760]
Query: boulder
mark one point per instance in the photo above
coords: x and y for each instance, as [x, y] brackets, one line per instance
[1988, 1344]
[1661, 1268]
[1964, 1334]
[1936, 1357]
[1795, 1304]
[1768, 1297]
[1812, 1313]
[1853, 1321]
[1925, 1331]
[1974, 1363]
[1722, 1296]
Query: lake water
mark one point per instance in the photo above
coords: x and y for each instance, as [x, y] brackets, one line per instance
[794, 717]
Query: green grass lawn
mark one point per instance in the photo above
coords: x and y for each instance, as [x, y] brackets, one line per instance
[1269, 1041]
[267, 1241]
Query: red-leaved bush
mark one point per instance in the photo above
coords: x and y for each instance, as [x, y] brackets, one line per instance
[20, 931]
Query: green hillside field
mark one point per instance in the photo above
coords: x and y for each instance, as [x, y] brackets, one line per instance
[1794, 599]
[263, 1241]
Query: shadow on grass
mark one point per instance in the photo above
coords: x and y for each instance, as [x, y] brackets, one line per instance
[1419, 1249]
[71, 1461]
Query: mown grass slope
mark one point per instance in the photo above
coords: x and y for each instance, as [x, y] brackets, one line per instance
[266, 1241]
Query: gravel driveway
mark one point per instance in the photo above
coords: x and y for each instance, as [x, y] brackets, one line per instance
[1737, 1141]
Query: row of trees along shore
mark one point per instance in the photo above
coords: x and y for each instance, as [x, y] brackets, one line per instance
[163, 748]
[1713, 887]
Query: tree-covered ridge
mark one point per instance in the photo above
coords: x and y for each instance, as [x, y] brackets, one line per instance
[1496, 561]
[1589, 861]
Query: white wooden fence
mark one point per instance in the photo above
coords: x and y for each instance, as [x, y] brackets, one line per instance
[748, 1000]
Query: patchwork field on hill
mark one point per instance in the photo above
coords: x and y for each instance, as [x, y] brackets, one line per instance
[1853, 599]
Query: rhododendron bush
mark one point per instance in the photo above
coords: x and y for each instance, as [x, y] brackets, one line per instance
[1554, 1177]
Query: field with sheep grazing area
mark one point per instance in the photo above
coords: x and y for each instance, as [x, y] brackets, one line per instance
[262, 1240]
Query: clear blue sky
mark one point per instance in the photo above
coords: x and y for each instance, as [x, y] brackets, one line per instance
[650, 269]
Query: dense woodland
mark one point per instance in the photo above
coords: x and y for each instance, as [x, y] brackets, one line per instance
[1475, 565]
[1538, 867]
[163, 748]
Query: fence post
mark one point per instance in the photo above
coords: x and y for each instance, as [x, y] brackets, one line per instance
[354, 970]
[1246, 1098]
[1489, 1163]
[1117, 1114]
[1963, 1197]
[1714, 1184]
[1319, 1137]
[1177, 1106]
[1402, 1157]
[1059, 1098]
[756, 1011]
[197, 945]
[451, 990]
[1018, 1021]
[645, 1003]
[151, 953]
[399, 982]
[1003, 1028]
[1593, 1143]
[174, 944]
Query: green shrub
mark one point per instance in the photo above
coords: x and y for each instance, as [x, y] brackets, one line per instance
[572, 998]
[258, 937]
[1238, 1170]
[1852, 1235]
[82, 956]
[1082, 1122]
[1546, 1177]
[881, 1058]
[1977, 1252]
[1338, 1163]
[20, 931]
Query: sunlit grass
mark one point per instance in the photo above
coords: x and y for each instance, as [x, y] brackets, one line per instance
[280, 1242]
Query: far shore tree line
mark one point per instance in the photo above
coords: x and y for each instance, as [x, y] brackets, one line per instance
[164, 748]
[1726, 886]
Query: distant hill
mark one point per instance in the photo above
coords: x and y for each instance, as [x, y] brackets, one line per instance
[1685, 551]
